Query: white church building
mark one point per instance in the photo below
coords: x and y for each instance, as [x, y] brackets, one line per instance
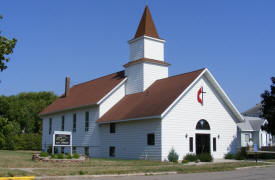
[141, 112]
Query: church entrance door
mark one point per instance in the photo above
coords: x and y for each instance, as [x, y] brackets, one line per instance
[202, 143]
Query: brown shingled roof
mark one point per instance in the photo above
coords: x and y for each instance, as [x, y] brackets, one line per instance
[152, 102]
[87, 93]
[146, 25]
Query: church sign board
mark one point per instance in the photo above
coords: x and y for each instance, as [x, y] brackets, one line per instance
[62, 138]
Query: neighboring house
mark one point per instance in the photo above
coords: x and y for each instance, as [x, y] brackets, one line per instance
[255, 111]
[141, 112]
[251, 129]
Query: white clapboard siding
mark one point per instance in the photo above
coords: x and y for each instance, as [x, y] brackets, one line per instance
[142, 75]
[134, 83]
[153, 72]
[81, 138]
[111, 100]
[154, 48]
[183, 117]
[137, 49]
[146, 47]
[130, 139]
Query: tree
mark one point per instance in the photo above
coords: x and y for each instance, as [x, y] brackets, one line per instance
[8, 132]
[20, 125]
[6, 48]
[24, 108]
[268, 107]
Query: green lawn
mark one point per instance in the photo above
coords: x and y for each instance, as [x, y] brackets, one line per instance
[22, 159]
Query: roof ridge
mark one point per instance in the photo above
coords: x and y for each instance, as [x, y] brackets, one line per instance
[96, 78]
[184, 73]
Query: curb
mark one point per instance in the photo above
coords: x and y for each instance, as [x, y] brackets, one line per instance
[105, 175]
[249, 167]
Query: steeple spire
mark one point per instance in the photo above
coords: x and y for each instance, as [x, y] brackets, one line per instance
[146, 26]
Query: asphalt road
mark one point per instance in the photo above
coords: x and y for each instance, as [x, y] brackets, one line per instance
[266, 173]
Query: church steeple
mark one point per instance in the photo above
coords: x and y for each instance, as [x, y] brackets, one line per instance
[146, 62]
[146, 26]
[146, 43]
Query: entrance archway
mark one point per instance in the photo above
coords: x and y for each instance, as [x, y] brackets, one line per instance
[202, 139]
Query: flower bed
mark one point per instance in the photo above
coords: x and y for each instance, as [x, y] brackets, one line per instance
[59, 158]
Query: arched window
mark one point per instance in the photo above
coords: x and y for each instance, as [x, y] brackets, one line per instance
[202, 125]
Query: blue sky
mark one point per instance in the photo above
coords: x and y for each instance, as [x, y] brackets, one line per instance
[234, 39]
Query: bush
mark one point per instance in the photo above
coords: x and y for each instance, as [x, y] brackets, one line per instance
[81, 172]
[69, 156]
[205, 157]
[184, 161]
[173, 156]
[76, 156]
[229, 156]
[53, 156]
[190, 157]
[60, 156]
[28, 141]
[49, 150]
[239, 156]
[44, 154]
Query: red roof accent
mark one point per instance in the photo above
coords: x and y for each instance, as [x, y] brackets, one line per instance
[152, 102]
[146, 25]
[87, 93]
[146, 60]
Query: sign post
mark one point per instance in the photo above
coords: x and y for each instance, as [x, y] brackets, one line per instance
[62, 138]
[256, 150]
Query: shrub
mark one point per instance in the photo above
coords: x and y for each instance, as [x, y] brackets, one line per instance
[10, 174]
[190, 157]
[44, 154]
[184, 161]
[229, 156]
[173, 156]
[76, 156]
[205, 157]
[53, 156]
[69, 156]
[81, 172]
[60, 156]
[239, 156]
[28, 141]
[49, 150]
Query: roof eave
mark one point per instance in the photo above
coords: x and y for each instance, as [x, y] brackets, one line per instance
[66, 109]
[130, 119]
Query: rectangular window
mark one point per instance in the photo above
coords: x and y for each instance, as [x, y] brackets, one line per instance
[62, 150]
[112, 128]
[86, 151]
[191, 144]
[247, 136]
[74, 149]
[150, 139]
[74, 122]
[214, 144]
[112, 150]
[86, 121]
[50, 125]
[62, 123]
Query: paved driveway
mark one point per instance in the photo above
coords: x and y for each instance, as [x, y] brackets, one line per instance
[266, 173]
